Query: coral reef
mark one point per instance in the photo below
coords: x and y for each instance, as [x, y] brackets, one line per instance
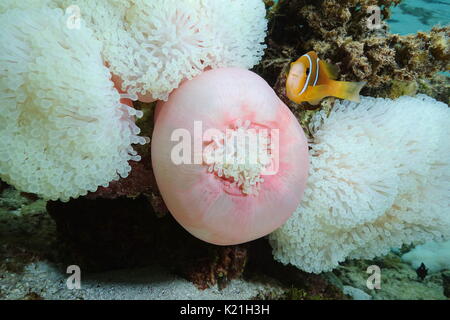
[437, 87]
[434, 255]
[300, 285]
[392, 65]
[219, 268]
[338, 32]
[398, 280]
[125, 224]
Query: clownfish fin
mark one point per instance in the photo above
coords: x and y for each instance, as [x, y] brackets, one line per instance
[339, 89]
[315, 94]
[328, 70]
[346, 90]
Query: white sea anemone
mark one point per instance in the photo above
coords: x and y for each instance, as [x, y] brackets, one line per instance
[154, 45]
[63, 129]
[379, 178]
[6, 5]
[170, 42]
[239, 27]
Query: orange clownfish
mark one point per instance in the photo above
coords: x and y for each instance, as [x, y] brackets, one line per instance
[311, 79]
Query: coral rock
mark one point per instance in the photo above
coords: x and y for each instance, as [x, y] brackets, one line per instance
[338, 32]
[224, 264]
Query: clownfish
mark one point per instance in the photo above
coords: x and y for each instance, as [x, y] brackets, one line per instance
[311, 79]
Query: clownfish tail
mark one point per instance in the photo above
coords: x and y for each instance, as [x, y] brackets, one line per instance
[348, 90]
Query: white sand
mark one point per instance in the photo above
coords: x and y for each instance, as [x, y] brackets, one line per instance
[152, 283]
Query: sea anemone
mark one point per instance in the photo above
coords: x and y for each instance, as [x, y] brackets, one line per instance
[379, 178]
[64, 131]
[249, 161]
[154, 45]
[6, 5]
[171, 42]
[238, 29]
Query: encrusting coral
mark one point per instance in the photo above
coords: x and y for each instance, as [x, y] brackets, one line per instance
[437, 87]
[64, 130]
[379, 178]
[339, 33]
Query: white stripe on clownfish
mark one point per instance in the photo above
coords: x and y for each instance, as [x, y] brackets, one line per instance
[307, 80]
[317, 71]
[302, 87]
[305, 86]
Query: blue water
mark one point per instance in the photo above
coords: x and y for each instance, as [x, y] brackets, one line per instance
[419, 15]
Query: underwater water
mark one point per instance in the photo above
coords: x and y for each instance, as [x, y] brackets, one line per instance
[419, 15]
[412, 16]
[130, 247]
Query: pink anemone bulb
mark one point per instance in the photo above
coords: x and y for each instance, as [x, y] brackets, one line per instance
[230, 159]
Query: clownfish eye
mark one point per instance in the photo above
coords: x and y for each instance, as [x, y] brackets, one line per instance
[307, 71]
